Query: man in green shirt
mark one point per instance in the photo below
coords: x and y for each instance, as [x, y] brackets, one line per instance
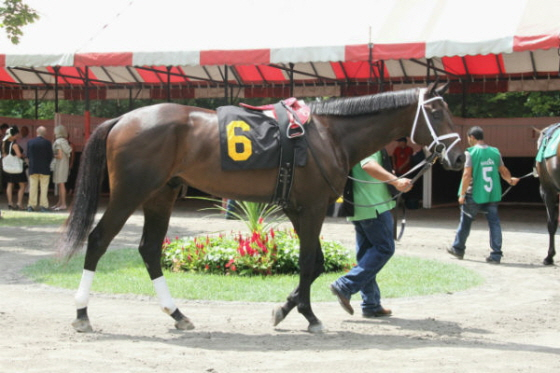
[375, 244]
[480, 191]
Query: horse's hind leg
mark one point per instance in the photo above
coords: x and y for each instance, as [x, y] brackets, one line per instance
[99, 239]
[157, 212]
[550, 198]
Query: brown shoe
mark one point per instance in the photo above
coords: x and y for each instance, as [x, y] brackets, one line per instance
[342, 300]
[383, 312]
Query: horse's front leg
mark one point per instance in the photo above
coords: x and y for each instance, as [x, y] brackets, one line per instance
[549, 198]
[279, 313]
[311, 266]
[311, 262]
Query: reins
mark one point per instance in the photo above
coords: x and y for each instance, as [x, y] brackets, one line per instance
[532, 173]
[425, 164]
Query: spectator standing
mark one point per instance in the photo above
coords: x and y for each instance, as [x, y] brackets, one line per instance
[9, 145]
[40, 155]
[402, 157]
[22, 142]
[24, 139]
[3, 128]
[61, 152]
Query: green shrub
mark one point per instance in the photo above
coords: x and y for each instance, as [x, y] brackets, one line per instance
[265, 253]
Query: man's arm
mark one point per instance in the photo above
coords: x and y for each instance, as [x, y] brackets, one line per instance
[375, 170]
[506, 175]
[466, 181]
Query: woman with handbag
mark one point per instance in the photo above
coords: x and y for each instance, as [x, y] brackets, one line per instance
[13, 170]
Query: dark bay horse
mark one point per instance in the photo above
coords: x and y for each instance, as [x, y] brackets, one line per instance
[152, 152]
[548, 170]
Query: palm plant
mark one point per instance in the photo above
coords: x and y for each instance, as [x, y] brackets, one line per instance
[258, 217]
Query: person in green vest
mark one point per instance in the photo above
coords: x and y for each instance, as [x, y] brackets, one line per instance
[373, 223]
[480, 191]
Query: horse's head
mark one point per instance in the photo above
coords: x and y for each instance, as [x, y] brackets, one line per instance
[434, 128]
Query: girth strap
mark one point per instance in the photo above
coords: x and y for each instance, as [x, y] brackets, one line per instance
[287, 156]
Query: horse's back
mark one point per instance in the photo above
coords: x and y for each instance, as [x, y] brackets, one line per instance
[548, 158]
[155, 140]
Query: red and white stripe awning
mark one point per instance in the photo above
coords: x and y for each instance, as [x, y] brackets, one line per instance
[269, 49]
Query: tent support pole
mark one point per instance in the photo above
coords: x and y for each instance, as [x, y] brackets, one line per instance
[36, 103]
[55, 68]
[87, 114]
[226, 85]
[168, 84]
[291, 73]
[464, 99]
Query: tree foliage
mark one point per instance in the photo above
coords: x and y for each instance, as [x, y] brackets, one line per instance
[506, 105]
[499, 105]
[14, 15]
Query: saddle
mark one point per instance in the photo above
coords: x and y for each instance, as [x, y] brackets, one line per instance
[268, 136]
[549, 143]
[298, 114]
[291, 115]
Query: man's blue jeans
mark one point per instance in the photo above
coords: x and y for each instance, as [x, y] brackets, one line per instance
[468, 213]
[374, 247]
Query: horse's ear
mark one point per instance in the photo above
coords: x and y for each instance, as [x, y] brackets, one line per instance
[432, 87]
[441, 90]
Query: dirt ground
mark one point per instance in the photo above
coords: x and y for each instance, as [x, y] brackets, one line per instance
[509, 324]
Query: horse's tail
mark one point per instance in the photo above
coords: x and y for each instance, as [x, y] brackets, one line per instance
[93, 164]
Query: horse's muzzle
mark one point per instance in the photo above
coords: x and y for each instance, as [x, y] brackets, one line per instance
[454, 162]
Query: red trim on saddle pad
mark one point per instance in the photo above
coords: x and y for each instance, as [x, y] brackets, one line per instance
[300, 109]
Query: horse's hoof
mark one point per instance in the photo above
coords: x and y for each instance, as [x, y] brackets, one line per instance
[548, 262]
[277, 316]
[316, 328]
[82, 326]
[184, 324]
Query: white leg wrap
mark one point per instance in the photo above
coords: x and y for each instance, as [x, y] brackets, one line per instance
[165, 300]
[82, 296]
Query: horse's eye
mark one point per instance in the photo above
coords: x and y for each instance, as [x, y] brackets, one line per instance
[437, 114]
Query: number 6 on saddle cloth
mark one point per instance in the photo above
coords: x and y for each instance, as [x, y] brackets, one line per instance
[251, 138]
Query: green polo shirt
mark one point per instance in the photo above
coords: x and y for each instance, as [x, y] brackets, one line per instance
[369, 194]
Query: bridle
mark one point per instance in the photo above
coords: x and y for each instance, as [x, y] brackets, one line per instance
[436, 139]
[439, 148]
[439, 151]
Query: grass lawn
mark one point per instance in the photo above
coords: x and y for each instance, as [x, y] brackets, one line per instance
[122, 272]
[12, 218]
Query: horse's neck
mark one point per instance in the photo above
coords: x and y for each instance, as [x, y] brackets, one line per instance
[362, 136]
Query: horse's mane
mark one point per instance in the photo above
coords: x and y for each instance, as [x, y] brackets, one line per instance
[365, 104]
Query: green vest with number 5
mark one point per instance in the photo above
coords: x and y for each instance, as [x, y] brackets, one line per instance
[486, 185]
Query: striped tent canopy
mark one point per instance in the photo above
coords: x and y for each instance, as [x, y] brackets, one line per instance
[249, 48]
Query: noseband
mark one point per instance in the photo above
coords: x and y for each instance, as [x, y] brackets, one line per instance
[436, 139]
